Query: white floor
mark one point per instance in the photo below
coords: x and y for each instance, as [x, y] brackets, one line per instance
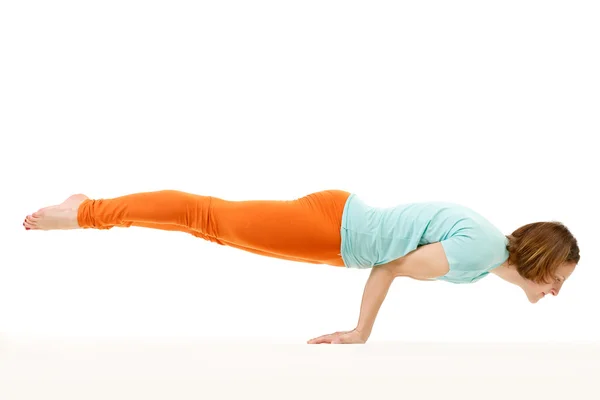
[88, 369]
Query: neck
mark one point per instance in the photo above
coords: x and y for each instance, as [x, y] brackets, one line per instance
[509, 273]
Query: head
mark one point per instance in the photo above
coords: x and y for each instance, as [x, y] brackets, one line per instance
[545, 254]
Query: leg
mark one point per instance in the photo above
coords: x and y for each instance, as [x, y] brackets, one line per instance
[168, 227]
[306, 229]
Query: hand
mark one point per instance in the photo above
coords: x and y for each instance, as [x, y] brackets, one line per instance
[346, 337]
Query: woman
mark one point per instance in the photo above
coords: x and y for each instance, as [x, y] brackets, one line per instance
[424, 240]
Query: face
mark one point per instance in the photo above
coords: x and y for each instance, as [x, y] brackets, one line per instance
[536, 291]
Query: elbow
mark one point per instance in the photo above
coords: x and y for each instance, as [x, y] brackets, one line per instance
[391, 269]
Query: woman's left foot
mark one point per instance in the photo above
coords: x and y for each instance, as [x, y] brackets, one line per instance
[62, 216]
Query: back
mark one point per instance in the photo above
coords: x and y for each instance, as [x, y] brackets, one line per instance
[373, 236]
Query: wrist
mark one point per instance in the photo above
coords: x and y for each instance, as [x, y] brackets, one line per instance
[363, 333]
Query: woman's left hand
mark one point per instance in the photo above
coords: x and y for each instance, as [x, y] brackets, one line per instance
[346, 337]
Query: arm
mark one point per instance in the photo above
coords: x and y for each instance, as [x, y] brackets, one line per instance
[424, 263]
[376, 290]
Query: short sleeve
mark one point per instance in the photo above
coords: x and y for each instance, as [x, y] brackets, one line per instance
[468, 258]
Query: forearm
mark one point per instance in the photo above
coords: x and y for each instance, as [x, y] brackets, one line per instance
[376, 290]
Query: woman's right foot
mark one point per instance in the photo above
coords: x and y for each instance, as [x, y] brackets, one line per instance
[61, 216]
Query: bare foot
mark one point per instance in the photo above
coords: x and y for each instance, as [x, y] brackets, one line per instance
[62, 216]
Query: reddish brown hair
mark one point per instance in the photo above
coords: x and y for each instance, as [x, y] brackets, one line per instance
[539, 248]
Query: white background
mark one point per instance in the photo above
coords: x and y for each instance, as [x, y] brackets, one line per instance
[490, 104]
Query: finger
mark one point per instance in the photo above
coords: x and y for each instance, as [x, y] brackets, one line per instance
[321, 339]
[324, 338]
[316, 339]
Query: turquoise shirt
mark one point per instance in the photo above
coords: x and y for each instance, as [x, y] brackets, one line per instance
[373, 236]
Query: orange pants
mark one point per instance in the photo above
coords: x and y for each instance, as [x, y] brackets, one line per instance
[306, 229]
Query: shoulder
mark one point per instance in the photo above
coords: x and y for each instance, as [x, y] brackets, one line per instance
[471, 256]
